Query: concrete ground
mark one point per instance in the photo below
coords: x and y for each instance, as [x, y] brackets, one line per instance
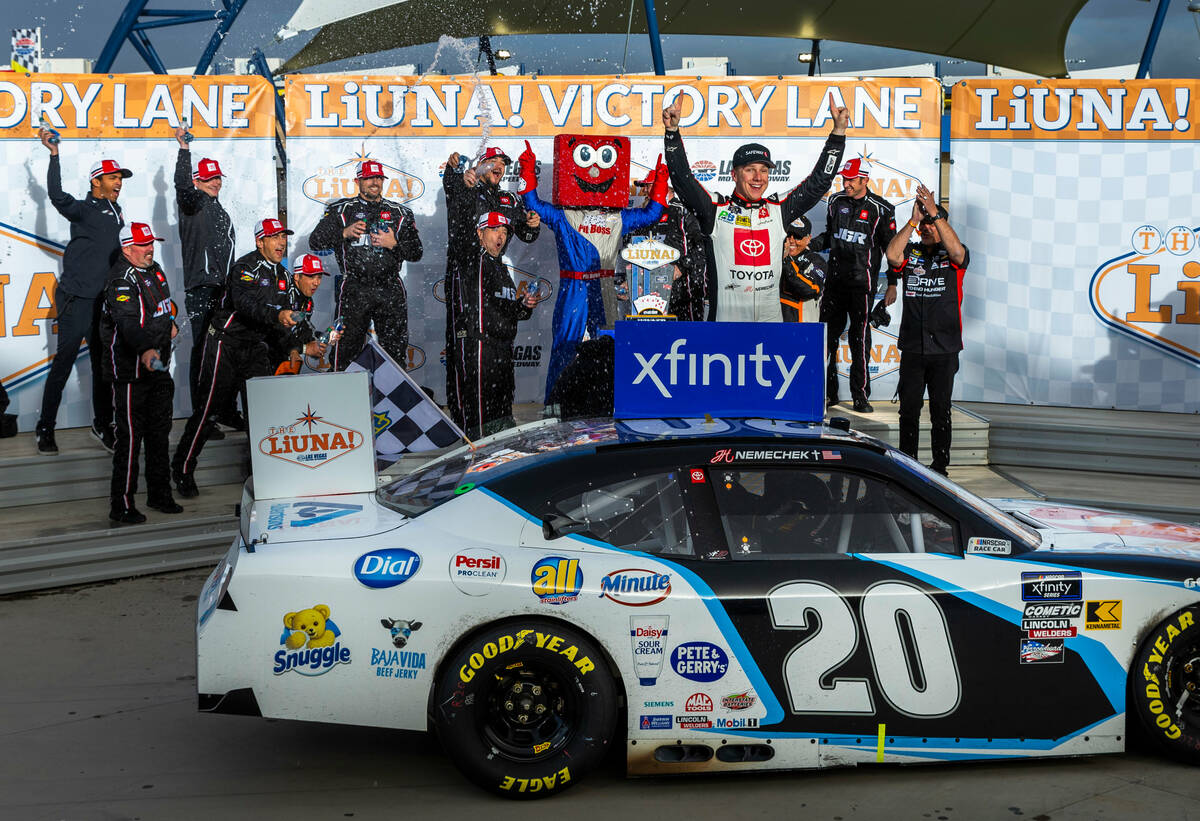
[98, 722]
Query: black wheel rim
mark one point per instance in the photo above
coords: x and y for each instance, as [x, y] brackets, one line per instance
[530, 714]
[1181, 686]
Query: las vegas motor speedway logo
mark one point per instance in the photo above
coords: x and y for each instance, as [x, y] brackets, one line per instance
[338, 182]
[1152, 292]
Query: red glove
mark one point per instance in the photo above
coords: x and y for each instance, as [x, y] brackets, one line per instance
[661, 178]
[528, 165]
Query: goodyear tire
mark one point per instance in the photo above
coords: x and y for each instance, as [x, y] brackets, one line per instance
[526, 709]
[1165, 685]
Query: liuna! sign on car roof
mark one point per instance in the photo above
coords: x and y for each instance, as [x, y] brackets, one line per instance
[774, 370]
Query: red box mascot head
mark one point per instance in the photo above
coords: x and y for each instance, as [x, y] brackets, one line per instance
[591, 172]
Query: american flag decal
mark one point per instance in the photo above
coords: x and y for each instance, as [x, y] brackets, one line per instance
[831, 455]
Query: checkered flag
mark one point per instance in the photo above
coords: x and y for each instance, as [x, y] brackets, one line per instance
[26, 50]
[406, 419]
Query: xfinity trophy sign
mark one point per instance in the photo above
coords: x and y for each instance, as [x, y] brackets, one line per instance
[734, 369]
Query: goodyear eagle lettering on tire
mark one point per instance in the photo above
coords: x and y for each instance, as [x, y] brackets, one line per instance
[1166, 684]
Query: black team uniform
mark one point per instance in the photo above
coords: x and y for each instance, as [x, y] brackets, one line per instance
[929, 342]
[371, 287]
[285, 340]
[207, 241]
[93, 250]
[857, 233]
[137, 317]
[463, 207]
[803, 279]
[235, 349]
[484, 312]
[679, 228]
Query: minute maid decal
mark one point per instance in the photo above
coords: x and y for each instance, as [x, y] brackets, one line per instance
[1152, 293]
[311, 642]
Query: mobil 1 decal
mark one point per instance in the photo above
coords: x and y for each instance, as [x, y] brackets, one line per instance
[845, 645]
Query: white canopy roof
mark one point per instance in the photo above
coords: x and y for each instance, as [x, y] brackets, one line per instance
[1027, 35]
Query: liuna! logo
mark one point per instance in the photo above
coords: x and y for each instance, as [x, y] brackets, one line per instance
[310, 441]
[1152, 293]
[338, 182]
[389, 567]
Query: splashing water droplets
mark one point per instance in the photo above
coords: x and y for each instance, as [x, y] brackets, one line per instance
[458, 59]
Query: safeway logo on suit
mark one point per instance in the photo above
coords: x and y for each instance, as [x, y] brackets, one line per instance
[742, 369]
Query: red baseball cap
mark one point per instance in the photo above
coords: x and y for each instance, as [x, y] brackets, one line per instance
[308, 264]
[207, 170]
[369, 168]
[492, 219]
[269, 228]
[495, 151]
[109, 167]
[137, 233]
[856, 167]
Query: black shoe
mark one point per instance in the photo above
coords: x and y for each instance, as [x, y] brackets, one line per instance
[232, 420]
[46, 445]
[127, 516]
[831, 401]
[942, 470]
[185, 484]
[213, 433]
[164, 505]
[863, 406]
[105, 438]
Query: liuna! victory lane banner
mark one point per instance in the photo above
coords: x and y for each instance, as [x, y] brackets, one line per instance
[412, 127]
[131, 119]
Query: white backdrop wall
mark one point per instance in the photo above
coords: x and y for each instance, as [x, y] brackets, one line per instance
[1080, 202]
[130, 119]
[411, 127]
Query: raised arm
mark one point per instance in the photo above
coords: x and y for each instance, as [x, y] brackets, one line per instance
[808, 193]
[694, 195]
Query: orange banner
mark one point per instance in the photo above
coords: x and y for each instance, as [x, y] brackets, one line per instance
[342, 106]
[1075, 110]
[135, 106]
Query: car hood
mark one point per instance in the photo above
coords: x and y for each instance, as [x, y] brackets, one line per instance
[1073, 527]
[309, 518]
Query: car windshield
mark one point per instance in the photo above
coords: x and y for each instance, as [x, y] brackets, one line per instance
[985, 509]
[463, 470]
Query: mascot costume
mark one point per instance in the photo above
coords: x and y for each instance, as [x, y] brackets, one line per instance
[589, 216]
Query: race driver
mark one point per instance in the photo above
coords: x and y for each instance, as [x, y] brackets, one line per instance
[372, 238]
[747, 228]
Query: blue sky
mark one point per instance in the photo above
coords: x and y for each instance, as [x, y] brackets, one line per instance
[1106, 32]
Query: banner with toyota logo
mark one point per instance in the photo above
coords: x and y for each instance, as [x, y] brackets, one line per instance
[412, 127]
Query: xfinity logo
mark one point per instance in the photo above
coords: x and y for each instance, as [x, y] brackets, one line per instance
[768, 370]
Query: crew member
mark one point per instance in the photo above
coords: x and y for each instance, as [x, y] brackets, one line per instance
[747, 228]
[254, 306]
[290, 344]
[930, 323]
[858, 229]
[803, 274]
[207, 238]
[372, 238]
[485, 311]
[137, 326]
[469, 194]
[92, 251]
[678, 228]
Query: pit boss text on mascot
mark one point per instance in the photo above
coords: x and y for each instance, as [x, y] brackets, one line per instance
[589, 216]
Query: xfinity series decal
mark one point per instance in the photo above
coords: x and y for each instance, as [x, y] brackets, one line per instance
[386, 568]
[1064, 586]
[311, 643]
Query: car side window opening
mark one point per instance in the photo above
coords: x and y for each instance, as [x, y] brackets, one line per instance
[642, 512]
[784, 512]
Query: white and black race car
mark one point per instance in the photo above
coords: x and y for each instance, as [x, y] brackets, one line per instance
[727, 595]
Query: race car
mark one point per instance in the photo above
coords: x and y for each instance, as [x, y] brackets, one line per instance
[718, 595]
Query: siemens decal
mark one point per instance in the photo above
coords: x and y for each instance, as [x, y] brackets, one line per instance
[386, 568]
[681, 369]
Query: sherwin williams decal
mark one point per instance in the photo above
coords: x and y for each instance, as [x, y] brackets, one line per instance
[699, 661]
[389, 567]
[311, 643]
